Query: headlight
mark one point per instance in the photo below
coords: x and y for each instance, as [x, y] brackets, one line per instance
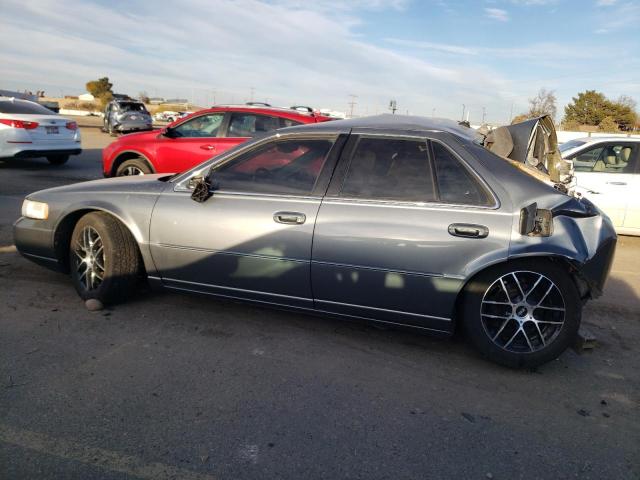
[37, 210]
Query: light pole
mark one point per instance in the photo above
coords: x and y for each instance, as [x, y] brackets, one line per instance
[463, 109]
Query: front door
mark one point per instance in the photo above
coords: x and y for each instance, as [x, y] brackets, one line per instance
[190, 143]
[604, 174]
[252, 239]
[396, 234]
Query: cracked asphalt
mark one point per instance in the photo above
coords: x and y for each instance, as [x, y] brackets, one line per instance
[180, 386]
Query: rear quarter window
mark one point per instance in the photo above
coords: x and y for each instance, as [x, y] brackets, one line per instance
[456, 183]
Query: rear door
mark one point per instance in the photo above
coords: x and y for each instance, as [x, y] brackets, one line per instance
[189, 143]
[402, 223]
[242, 126]
[605, 174]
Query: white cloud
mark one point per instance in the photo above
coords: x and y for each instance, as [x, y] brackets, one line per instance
[497, 14]
[606, 3]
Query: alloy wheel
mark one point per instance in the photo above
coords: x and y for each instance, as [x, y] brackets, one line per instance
[89, 251]
[132, 170]
[523, 311]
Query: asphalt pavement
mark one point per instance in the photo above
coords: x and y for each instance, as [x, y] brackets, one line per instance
[190, 387]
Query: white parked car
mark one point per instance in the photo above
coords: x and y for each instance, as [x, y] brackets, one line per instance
[28, 129]
[607, 171]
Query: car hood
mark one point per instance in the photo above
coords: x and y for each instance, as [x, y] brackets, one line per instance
[137, 184]
[534, 145]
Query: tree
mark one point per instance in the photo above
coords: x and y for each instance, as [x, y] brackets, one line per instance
[144, 97]
[544, 103]
[608, 124]
[591, 108]
[101, 89]
[588, 108]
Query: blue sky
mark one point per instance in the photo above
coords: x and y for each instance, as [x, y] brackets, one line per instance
[430, 56]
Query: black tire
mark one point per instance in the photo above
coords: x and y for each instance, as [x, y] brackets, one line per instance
[134, 166]
[58, 159]
[120, 260]
[531, 334]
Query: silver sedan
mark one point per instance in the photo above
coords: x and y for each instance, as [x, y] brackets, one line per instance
[399, 220]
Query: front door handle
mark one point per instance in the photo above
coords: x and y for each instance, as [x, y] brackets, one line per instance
[616, 183]
[208, 147]
[468, 230]
[289, 218]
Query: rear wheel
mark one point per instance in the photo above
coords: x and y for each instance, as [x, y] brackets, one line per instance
[104, 259]
[58, 159]
[134, 166]
[522, 314]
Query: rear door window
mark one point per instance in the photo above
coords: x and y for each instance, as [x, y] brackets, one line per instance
[200, 126]
[251, 124]
[390, 169]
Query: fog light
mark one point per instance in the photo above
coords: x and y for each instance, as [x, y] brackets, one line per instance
[36, 210]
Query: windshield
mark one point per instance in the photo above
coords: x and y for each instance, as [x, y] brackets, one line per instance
[570, 144]
[23, 106]
[132, 107]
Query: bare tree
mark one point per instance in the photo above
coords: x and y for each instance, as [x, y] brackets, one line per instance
[544, 103]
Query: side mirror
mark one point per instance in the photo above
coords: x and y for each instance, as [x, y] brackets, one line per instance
[201, 189]
[168, 132]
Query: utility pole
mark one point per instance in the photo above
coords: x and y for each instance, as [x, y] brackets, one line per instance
[463, 109]
[352, 104]
[484, 114]
[393, 106]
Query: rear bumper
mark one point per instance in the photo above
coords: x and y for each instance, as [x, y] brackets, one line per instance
[47, 152]
[133, 127]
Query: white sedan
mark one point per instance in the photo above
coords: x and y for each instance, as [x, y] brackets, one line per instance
[27, 129]
[607, 171]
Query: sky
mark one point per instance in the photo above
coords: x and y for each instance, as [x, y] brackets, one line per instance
[431, 56]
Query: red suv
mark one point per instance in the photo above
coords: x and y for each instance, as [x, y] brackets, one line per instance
[197, 137]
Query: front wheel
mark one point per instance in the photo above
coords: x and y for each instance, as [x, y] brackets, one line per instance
[135, 166]
[522, 314]
[104, 259]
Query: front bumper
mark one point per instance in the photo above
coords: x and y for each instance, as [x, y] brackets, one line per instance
[34, 240]
[596, 270]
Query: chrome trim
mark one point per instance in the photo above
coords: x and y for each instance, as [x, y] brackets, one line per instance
[387, 270]
[48, 259]
[228, 252]
[421, 205]
[399, 312]
[310, 310]
[210, 285]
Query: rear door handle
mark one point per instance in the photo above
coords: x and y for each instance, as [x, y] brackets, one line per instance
[289, 218]
[468, 230]
[616, 183]
[208, 147]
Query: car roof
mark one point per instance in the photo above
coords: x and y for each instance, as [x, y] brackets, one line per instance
[265, 110]
[388, 121]
[609, 138]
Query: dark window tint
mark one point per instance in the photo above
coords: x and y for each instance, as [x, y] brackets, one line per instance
[24, 107]
[285, 167]
[132, 107]
[609, 158]
[455, 183]
[390, 169]
[202, 126]
[250, 124]
[287, 122]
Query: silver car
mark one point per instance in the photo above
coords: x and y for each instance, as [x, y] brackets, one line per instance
[126, 116]
[399, 220]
